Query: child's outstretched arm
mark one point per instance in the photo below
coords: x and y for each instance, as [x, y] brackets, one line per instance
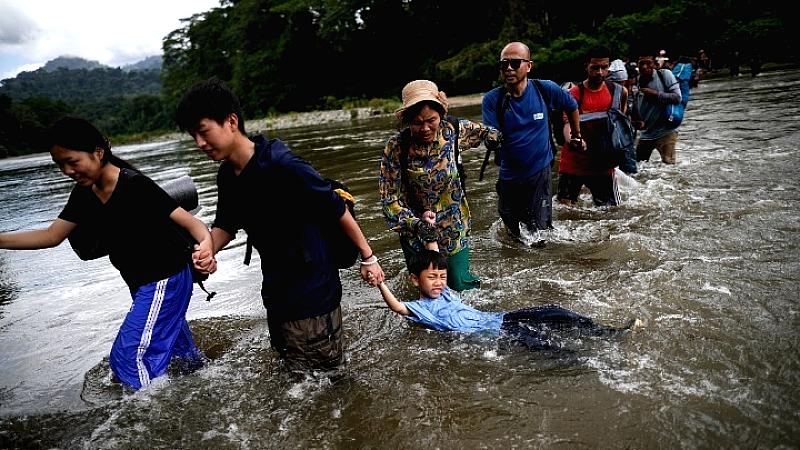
[392, 301]
[36, 239]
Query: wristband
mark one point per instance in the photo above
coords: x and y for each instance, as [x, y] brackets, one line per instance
[369, 263]
[368, 257]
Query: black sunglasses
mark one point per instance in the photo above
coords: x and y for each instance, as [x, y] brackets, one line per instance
[514, 63]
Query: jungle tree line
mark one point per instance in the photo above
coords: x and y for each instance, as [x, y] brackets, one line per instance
[284, 55]
[296, 55]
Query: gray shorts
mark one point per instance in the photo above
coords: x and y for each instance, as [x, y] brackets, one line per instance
[316, 343]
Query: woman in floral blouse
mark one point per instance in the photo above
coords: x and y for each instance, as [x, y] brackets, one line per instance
[430, 184]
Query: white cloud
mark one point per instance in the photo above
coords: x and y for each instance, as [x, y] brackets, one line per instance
[16, 26]
[112, 32]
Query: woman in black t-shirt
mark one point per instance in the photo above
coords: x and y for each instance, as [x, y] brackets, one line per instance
[120, 212]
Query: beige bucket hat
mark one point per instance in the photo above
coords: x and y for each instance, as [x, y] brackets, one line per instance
[418, 91]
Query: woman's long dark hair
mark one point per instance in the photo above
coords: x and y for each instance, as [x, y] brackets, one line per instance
[74, 133]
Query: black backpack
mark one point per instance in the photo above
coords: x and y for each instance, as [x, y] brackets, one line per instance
[405, 143]
[343, 251]
[504, 103]
[617, 149]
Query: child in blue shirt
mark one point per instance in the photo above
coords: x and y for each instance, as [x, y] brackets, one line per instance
[441, 309]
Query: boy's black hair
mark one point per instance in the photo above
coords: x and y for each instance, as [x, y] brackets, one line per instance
[599, 52]
[424, 259]
[208, 99]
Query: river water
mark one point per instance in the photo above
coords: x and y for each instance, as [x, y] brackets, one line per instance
[704, 252]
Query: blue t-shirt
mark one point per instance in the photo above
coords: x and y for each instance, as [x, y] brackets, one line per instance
[448, 313]
[526, 132]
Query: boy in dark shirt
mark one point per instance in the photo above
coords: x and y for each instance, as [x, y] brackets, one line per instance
[260, 184]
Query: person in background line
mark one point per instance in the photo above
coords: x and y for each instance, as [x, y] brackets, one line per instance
[524, 185]
[683, 73]
[579, 167]
[285, 207]
[117, 208]
[649, 114]
[662, 61]
[419, 175]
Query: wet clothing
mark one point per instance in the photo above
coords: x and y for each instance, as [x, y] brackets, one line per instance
[578, 161]
[526, 131]
[432, 175]
[458, 276]
[529, 202]
[652, 110]
[604, 188]
[524, 185]
[433, 178]
[283, 204]
[135, 227]
[665, 146]
[449, 313]
[155, 331]
[312, 343]
[577, 168]
[530, 326]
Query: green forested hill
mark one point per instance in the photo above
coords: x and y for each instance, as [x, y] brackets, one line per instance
[72, 84]
[117, 101]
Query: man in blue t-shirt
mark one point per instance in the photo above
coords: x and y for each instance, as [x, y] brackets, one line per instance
[521, 112]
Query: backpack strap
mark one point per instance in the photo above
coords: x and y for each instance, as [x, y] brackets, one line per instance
[405, 144]
[616, 94]
[503, 103]
[663, 82]
[546, 101]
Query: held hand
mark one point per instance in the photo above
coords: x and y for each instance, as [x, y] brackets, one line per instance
[203, 259]
[638, 124]
[649, 91]
[429, 217]
[372, 274]
[577, 143]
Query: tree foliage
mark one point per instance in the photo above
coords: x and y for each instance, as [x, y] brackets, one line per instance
[295, 55]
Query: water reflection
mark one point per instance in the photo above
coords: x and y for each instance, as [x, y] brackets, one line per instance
[705, 251]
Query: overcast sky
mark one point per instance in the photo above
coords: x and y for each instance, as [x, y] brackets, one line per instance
[113, 32]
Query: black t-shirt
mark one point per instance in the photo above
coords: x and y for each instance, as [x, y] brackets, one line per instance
[283, 203]
[134, 225]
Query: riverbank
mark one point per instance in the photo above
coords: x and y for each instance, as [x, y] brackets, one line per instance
[293, 120]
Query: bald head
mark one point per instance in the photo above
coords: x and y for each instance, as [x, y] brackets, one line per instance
[516, 48]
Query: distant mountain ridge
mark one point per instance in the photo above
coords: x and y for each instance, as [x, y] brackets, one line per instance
[69, 79]
[75, 63]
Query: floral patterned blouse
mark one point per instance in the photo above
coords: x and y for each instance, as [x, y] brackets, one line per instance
[433, 178]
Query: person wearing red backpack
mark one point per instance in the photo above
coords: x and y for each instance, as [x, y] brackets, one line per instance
[586, 167]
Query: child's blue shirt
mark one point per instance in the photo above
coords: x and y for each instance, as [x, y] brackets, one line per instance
[448, 313]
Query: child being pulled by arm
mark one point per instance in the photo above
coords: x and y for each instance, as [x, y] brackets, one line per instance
[441, 309]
